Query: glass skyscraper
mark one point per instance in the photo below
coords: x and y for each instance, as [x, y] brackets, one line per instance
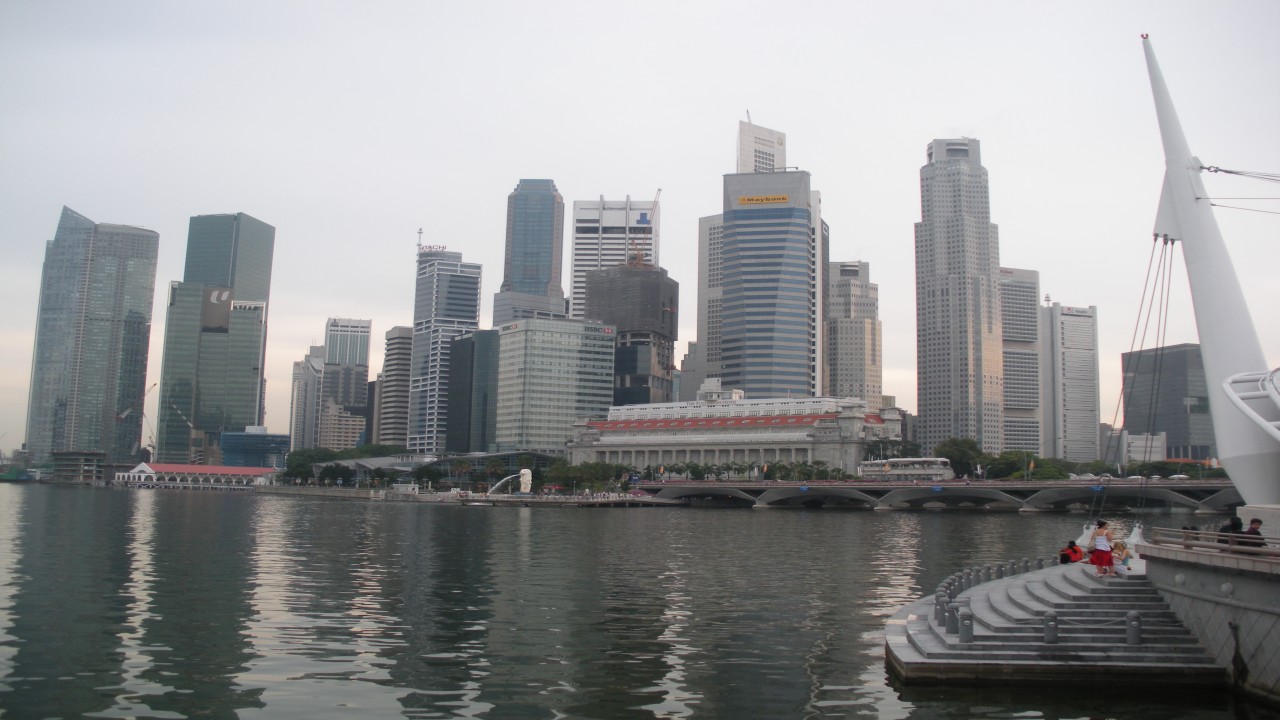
[550, 374]
[772, 268]
[93, 327]
[531, 270]
[215, 338]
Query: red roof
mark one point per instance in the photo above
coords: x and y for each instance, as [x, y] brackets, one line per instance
[872, 419]
[209, 469]
[714, 422]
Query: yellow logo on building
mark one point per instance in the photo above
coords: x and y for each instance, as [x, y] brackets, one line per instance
[763, 199]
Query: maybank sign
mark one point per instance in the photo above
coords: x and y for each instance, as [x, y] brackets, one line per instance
[763, 199]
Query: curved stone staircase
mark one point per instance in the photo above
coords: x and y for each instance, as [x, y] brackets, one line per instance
[1048, 625]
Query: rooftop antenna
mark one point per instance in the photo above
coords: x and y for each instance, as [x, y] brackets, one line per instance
[749, 118]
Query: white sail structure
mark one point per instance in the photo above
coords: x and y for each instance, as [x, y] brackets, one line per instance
[1243, 401]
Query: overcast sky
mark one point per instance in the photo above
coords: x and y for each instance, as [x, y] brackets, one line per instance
[349, 125]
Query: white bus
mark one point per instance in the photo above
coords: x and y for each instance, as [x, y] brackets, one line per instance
[908, 470]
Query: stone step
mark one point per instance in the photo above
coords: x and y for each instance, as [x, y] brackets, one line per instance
[934, 646]
[1008, 638]
[1109, 633]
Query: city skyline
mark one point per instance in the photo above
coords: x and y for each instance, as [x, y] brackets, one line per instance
[1078, 85]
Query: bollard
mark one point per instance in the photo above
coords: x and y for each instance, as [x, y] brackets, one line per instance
[953, 619]
[1133, 628]
[1013, 567]
[999, 571]
[953, 589]
[1039, 563]
[986, 574]
[966, 625]
[940, 608]
[1051, 627]
[1026, 565]
[967, 581]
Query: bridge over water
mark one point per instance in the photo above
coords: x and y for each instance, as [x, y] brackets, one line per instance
[1207, 496]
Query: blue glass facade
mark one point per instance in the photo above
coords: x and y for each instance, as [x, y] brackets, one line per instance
[535, 240]
[769, 287]
[254, 449]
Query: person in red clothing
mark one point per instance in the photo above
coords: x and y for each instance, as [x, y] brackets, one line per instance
[1101, 554]
[1072, 553]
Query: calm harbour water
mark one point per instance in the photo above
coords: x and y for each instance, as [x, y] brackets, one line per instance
[176, 604]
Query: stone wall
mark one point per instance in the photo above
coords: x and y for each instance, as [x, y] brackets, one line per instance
[1232, 602]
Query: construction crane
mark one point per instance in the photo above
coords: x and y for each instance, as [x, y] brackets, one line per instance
[635, 258]
[129, 410]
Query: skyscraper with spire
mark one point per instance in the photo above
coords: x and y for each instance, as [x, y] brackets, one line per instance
[446, 305]
[959, 364]
[93, 327]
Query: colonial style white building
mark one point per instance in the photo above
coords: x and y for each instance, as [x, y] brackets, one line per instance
[196, 477]
[723, 427]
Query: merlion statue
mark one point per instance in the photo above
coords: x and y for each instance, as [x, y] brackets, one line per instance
[526, 480]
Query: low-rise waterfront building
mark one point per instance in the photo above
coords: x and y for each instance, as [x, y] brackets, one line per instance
[724, 427]
[196, 477]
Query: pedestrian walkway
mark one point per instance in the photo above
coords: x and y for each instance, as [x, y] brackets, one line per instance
[1059, 624]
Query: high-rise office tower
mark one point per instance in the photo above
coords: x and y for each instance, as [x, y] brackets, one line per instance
[762, 204]
[703, 360]
[1070, 382]
[1022, 352]
[473, 393]
[550, 374]
[344, 398]
[531, 284]
[854, 352]
[93, 326]
[304, 400]
[1165, 391]
[773, 263]
[760, 149]
[212, 375]
[391, 406]
[446, 305]
[607, 233]
[642, 303]
[959, 357]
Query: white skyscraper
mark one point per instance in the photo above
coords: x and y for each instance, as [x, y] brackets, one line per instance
[1070, 373]
[608, 233]
[1020, 328]
[304, 400]
[446, 305]
[391, 406]
[959, 363]
[760, 149]
[854, 352]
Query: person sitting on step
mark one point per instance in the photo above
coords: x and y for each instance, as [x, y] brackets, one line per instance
[1072, 553]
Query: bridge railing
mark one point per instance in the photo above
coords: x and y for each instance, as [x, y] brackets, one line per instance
[1216, 542]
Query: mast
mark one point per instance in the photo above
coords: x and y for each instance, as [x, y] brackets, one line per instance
[1229, 343]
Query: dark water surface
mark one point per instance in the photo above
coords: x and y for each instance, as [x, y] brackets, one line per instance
[177, 604]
